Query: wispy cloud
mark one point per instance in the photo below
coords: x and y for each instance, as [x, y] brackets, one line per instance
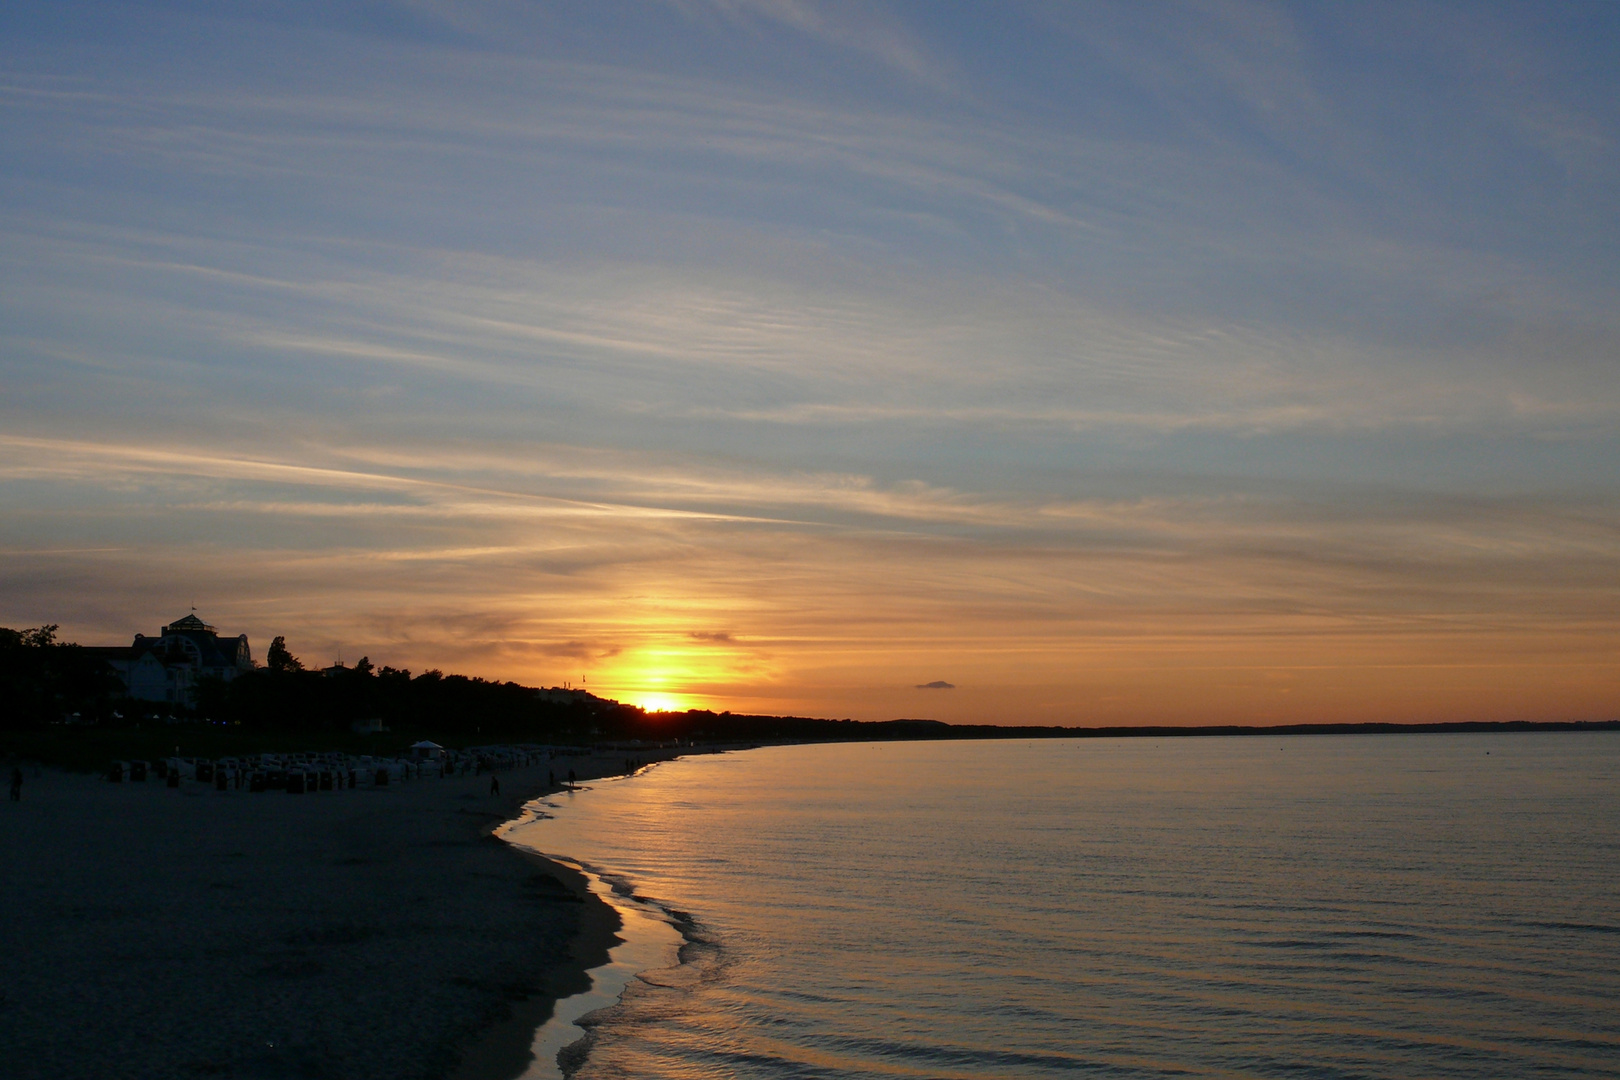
[799, 356]
[866, 29]
[776, 349]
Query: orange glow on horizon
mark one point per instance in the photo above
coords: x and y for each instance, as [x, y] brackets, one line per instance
[668, 670]
[659, 702]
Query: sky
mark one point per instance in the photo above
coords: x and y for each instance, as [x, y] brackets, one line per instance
[1073, 363]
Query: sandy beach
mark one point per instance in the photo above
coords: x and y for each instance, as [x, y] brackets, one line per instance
[378, 932]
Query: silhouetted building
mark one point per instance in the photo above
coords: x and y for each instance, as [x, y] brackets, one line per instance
[168, 667]
[565, 695]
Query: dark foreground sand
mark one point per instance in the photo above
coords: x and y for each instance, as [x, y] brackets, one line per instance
[150, 932]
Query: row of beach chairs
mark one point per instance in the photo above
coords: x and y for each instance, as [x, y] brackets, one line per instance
[299, 774]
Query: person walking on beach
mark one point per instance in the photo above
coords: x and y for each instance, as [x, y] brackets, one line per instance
[494, 785]
[16, 785]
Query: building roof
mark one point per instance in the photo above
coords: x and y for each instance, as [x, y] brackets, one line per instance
[211, 651]
[189, 622]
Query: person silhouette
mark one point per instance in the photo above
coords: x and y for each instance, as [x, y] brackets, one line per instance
[494, 785]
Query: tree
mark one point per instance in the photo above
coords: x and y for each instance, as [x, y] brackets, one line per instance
[43, 679]
[39, 637]
[364, 666]
[278, 659]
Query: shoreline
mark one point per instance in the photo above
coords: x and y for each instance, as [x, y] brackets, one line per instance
[503, 1051]
[654, 936]
[379, 932]
[648, 940]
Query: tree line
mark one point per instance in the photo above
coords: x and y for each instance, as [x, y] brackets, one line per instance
[44, 681]
[285, 695]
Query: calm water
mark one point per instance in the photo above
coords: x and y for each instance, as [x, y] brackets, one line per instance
[1404, 906]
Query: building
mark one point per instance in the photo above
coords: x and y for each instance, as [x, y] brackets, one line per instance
[168, 667]
[573, 695]
[565, 695]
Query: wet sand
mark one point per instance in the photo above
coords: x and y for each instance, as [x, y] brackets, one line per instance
[153, 932]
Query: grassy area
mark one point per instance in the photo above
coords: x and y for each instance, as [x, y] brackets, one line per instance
[91, 749]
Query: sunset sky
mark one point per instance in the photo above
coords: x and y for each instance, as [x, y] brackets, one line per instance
[1106, 363]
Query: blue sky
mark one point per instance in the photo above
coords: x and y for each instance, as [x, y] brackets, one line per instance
[1114, 363]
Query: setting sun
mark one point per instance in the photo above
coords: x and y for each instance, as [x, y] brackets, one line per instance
[659, 703]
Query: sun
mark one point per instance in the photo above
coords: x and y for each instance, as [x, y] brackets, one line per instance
[660, 703]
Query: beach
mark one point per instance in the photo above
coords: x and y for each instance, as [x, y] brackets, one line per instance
[376, 932]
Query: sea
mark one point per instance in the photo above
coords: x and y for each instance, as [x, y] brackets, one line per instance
[1397, 906]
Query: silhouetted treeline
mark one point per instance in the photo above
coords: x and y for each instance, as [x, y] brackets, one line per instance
[457, 707]
[454, 705]
[43, 680]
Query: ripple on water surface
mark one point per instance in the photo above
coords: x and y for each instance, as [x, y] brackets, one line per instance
[1365, 906]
